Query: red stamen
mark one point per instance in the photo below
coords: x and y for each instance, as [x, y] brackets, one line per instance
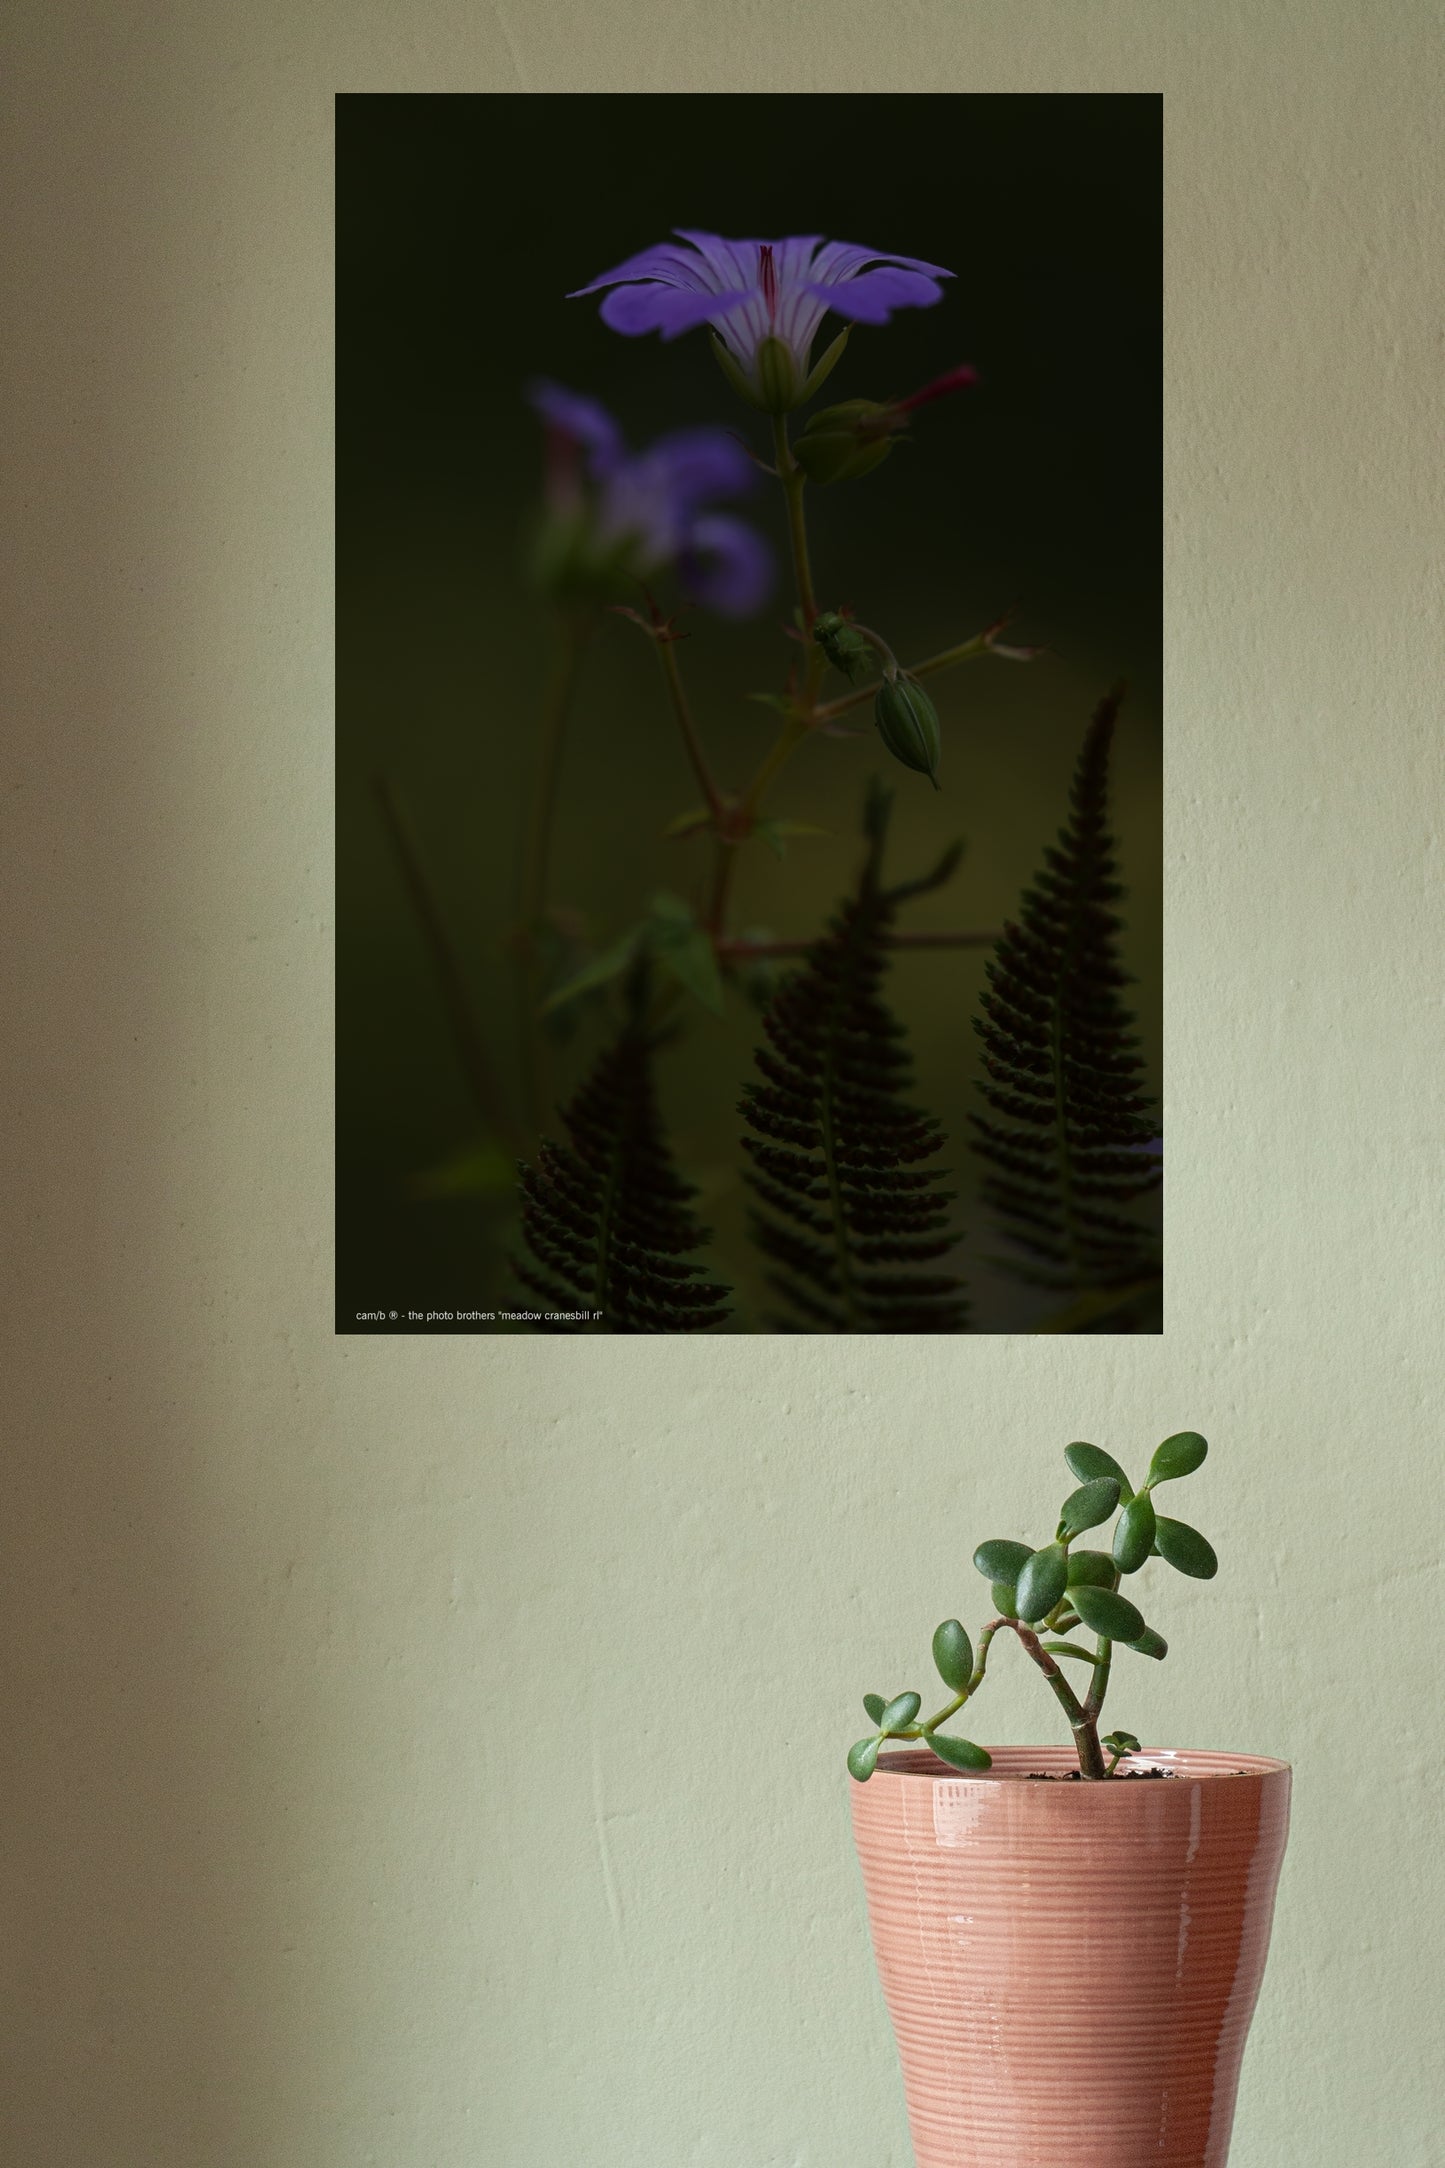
[768, 275]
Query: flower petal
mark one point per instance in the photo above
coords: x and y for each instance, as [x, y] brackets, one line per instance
[586, 421]
[726, 566]
[844, 260]
[635, 310]
[664, 260]
[725, 264]
[872, 296]
[702, 463]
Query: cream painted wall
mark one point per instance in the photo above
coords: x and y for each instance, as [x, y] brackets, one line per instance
[428, 1753]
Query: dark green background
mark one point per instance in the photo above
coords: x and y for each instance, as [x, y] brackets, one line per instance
[462, 221]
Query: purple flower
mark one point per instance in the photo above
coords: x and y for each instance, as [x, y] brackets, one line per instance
[765, 301]
[615, 513]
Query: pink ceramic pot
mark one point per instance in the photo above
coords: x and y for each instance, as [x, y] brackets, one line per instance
[1071, 1968]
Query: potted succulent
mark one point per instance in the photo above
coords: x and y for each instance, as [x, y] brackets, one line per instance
[1071, 1939]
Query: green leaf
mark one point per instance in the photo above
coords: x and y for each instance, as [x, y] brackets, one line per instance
[1090, 1463]
[901, 1710]
[1149, 1644]
[1185, 1549]
[1069, 1648]
[1105, 1612]
[875, 1705]
[1121, 1742]
[687, 824]
[1179, 1455]
[1001, 1560]
[953, 1655]
[685, 949]
[776, 833]
[1088, 1505]
[1134, 1536]
[1042, 1582]
[609, 965]
[863, 1758]
[781, 703]
[962, 1753]
[1095, 1568]
[1003, 1599]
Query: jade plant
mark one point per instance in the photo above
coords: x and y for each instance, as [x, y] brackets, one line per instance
[1041, 1596]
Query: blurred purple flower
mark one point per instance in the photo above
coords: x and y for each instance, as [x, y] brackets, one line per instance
[764, 299]
[639, 513]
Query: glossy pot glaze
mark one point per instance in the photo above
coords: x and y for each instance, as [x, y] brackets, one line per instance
[1071, 1968]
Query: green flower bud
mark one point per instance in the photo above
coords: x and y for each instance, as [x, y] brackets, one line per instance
[908, 725]
[842, 442]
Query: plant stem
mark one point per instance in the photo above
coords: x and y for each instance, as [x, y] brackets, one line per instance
[1099, 1684]
[1083, 1718]
[975, 1681]
[535, 868]
[716, 803]
[456, 995]
[965, 651]
[1083, 1726]
[794, 482]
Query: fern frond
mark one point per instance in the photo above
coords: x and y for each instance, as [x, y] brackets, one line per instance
[606, 1219]
[1070, 1139]
[846, 1216]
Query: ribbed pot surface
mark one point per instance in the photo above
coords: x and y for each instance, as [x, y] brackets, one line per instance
[1071, 1968]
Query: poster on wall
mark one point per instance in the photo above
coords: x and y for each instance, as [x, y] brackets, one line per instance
[749, 714]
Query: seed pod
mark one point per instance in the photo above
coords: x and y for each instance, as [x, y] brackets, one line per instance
[908, 725]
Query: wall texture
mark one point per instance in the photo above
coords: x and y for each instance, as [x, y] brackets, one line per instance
[428, 1753]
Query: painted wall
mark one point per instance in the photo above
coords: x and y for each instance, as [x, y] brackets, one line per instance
[428, 1754]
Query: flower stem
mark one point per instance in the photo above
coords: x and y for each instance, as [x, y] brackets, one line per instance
[716, 803]
[533, 875]
[794, 482]
[947, 659]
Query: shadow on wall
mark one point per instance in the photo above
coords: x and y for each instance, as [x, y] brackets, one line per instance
[139, 1965]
